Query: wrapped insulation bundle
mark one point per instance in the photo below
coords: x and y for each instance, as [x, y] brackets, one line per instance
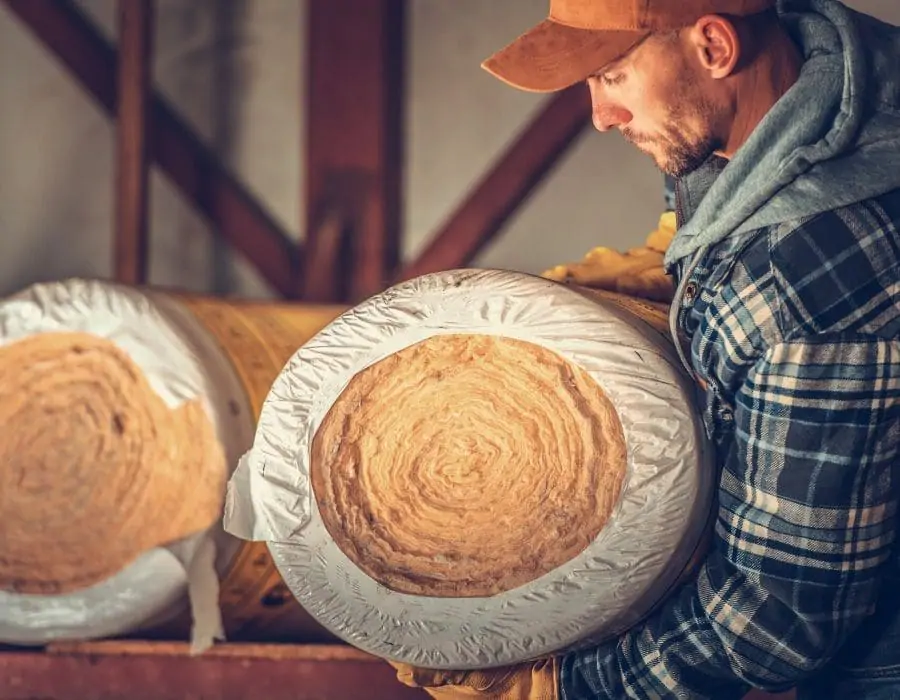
[479, 467]
[122, 412]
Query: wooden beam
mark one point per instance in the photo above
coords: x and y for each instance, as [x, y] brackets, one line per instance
[137, 670]
[115, 670]
[234, 213]
[131, 247]
[354, 142]
[506, 185]
[166, 671]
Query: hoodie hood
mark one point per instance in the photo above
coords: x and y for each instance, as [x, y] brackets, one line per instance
[832, 140]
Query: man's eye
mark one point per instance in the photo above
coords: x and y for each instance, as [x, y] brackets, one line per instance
[614, 79]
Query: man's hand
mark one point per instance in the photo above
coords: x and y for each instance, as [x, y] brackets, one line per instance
[637, 272]
[538, 680]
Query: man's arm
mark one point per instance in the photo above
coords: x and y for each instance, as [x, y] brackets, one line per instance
[806, 520]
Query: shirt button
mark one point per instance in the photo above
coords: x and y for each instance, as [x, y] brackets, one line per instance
[690, 292]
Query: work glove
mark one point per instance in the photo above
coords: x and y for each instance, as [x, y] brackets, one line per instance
[637, 272]
[537, 680]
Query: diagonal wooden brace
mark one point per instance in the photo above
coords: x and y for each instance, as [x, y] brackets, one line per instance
[194, 169]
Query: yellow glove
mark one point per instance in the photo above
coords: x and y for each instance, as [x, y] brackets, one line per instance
[538, 680]
[637, 272]
[660, 239]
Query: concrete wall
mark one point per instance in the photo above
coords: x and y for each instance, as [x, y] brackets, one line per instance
[234, 69]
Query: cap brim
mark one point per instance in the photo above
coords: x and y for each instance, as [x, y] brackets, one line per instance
[553, 56]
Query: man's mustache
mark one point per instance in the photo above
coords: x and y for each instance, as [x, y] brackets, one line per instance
[636, 138]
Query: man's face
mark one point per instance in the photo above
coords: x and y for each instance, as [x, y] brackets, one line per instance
[661, 101]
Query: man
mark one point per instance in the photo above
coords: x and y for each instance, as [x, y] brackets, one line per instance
[782, 128]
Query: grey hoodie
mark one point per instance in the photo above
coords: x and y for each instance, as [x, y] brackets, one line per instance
[832, 140]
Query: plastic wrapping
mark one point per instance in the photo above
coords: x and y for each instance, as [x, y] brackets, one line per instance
[181, 362]
[633, 561]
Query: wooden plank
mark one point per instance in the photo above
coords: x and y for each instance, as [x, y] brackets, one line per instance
[139, 670]
[190, 165]
[166, 671]
[354, 142]
[274, 652]
[131, 246]
[507, 184]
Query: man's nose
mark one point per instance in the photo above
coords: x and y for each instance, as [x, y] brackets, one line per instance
[607, 116]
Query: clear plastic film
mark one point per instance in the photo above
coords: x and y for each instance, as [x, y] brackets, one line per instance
[632, 562]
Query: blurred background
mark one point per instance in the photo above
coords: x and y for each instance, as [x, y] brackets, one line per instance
[236, 72]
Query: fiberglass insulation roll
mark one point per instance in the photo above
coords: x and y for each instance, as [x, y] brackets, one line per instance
[476, 468]
[114, 452]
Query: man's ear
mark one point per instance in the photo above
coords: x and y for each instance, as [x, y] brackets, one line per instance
[717, 45]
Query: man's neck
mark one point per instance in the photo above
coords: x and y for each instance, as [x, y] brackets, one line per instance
[758, 89]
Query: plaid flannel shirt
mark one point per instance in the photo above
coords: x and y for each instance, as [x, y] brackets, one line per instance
[795, 333]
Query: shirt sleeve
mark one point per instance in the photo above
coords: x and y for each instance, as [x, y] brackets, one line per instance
[806, 521]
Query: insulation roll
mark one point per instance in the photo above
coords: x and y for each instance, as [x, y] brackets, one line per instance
[123, 412]
[477, 468]
[258, 338]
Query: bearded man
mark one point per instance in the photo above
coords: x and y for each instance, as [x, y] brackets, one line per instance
[781, 127]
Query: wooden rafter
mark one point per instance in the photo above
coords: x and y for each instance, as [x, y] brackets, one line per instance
[234, 213]
[131, 247]
[353, 147]
[506, 185]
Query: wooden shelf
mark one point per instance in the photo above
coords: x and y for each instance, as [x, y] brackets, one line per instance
[166, 671]
[138, 670]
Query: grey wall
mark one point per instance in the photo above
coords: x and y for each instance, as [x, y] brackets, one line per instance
[234, 69]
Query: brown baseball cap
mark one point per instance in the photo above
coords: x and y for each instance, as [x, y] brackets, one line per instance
[580, 37]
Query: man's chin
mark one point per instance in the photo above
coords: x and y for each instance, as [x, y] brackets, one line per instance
[679, 167]
[662, 160]
[672, 165]
[673, 170]
[669, 166]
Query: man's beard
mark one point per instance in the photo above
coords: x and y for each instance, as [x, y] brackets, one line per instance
[677, 151]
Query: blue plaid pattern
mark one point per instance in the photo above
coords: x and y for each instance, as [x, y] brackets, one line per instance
[795, 334]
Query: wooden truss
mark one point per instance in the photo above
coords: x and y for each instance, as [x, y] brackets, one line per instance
[354, 151]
